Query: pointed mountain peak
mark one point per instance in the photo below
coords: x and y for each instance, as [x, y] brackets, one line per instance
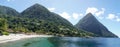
[36, 5]
[36, 9]
[90, 15]
[91, 24]
[8, 11]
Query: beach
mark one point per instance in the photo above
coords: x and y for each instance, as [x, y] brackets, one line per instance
[14, 37]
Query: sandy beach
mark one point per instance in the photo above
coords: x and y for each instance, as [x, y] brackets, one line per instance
[14, 37]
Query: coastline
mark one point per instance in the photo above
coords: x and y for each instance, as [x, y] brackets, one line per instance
[14, 37]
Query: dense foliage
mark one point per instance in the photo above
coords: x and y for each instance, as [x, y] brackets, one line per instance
[3, 26]
[37, 19]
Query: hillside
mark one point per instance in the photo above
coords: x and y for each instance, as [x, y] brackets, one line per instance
[38, 19]
[91, 24]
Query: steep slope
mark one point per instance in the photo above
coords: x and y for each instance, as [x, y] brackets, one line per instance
[38, 19]
[8, 11]
[8, 14]
[41, 19]
[91, 24]
[39, 12]
[36, 11]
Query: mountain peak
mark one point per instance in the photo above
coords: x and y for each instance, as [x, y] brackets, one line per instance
[36, 5]
[89, 18]
[89, 15]
[91, 24]
[36, 10]
[8, 11]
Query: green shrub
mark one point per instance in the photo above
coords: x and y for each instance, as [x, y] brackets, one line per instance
[5, 33]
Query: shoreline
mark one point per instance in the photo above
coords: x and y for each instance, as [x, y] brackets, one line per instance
[15, 37]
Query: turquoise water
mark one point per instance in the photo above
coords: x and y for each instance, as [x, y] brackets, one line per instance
[64, 42]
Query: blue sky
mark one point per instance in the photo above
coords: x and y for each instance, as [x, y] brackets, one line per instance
[106, 11]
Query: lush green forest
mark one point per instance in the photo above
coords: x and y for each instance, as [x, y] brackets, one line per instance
[39, 20]
[3, 26]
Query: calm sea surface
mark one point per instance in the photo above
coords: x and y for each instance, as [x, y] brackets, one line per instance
[64, 42]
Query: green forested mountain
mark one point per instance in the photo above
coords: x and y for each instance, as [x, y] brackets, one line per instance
[3, 26]
[38, 19]
[8, 11]
[91, 24]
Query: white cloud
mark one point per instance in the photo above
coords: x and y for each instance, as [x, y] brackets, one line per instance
[65, 15]
[96, 11]
[51, 9]
[81, 15]
[111, 16]
[118, 20]
[68, 16]
[100, 12]
[75, 15]
[92, 10]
